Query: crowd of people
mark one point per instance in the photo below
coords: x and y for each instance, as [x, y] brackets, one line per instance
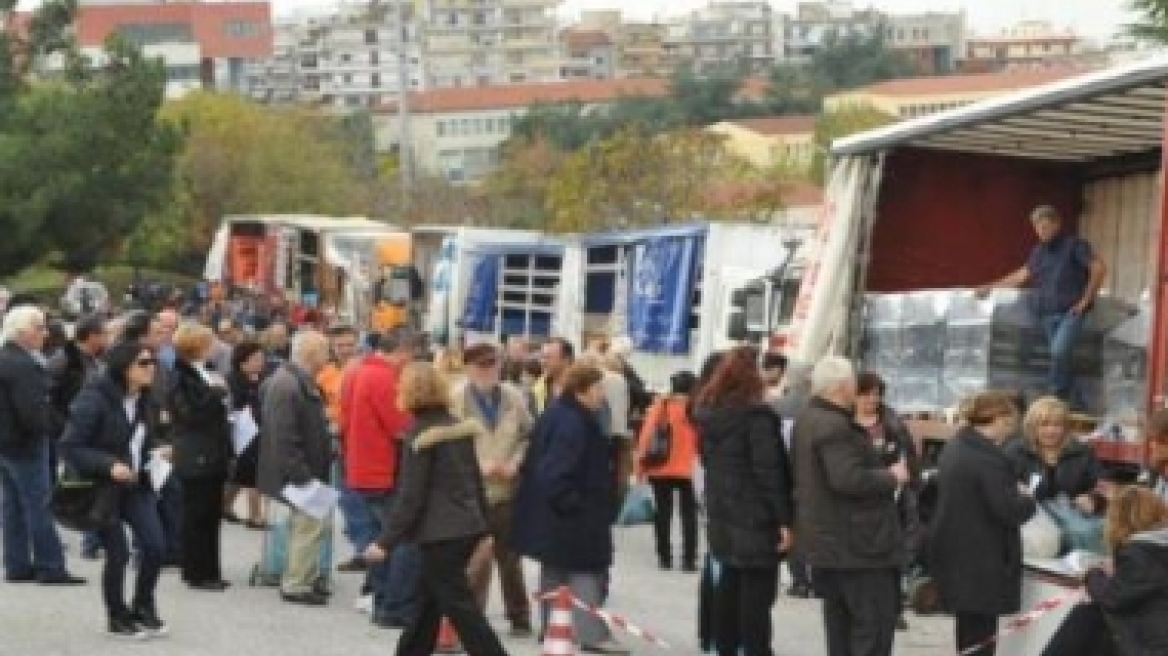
[455, 465]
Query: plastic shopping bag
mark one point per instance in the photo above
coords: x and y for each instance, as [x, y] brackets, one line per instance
[638, 507]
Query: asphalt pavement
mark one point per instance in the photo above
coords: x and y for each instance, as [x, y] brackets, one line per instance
[247, 621]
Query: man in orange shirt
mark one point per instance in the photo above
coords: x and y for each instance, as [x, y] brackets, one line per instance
[358, 528]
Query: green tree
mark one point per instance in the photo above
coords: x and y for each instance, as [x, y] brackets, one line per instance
[843, 123]
[1153, 26]
[242, 158]
[856, 60]
[82, 157]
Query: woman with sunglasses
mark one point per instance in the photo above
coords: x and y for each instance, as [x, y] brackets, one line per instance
[110, 438]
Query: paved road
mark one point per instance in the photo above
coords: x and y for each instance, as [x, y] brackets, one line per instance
[254, 622]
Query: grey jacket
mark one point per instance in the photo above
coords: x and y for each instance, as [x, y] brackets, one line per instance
[845, 509]
[295, 445]
[440, 495]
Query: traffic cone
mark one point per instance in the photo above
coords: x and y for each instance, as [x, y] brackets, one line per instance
[559, 637]
[448, 642]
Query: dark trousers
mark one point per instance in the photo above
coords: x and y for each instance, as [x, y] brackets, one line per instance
[510, 566]
[139, 511]
[860, 608]
[170, 509]
[31, 544]
[743, 599]
[800, 572]
[974, 629]
[664, 490]
[444, 591]
[202, 502]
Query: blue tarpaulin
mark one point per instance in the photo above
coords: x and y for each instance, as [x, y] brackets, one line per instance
[662, 286]
[482, 293]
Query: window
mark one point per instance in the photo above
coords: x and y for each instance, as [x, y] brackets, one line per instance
[346, 58]
[440, 126]
[142, 34]
[370, 37]
[375, 80]
[374, 57]
[241, 29]
[346, 79]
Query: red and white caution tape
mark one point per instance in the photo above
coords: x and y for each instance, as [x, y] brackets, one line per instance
[611, 619]
[1023, 621]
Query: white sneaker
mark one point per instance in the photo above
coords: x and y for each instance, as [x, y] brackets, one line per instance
[364, 604]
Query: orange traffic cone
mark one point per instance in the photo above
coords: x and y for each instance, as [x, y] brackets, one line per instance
[559, 637]
[448, 642]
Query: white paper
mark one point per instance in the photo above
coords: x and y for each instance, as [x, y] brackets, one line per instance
[159, 470]
[1035, 481]
[788, 430]
[244, 430]
[315, 499]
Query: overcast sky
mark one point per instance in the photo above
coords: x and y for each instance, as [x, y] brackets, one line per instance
[1095, 18]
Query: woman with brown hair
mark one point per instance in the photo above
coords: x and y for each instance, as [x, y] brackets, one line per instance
[566, 502]
[441, 506]
[1133, 592]
[975, 547]
[748, 501]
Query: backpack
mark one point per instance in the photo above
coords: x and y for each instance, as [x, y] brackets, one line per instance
[661, 443]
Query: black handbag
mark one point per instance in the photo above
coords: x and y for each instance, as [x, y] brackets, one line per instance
[84, 505]
[661, 443]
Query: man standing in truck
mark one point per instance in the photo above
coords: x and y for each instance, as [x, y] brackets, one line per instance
[1065, 275]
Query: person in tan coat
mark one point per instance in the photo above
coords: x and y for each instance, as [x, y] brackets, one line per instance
[503, 412]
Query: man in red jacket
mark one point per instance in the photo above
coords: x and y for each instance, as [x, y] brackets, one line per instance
[373, 426]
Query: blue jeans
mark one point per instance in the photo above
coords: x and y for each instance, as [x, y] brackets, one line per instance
[140, 511]
[1062, 331]
[394, 581]
[361, 526]
[31, 543]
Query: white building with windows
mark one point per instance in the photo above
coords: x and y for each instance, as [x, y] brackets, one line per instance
[724, 33]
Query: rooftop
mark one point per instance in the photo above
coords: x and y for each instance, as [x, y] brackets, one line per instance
[584, 39]
[463, 99]
[777, 125]
[977, 83]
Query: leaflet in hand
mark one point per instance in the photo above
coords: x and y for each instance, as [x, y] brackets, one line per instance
[244, 430]
[159, 470]
[314, 499]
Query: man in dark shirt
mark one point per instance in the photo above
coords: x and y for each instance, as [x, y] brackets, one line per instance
[1065, 275]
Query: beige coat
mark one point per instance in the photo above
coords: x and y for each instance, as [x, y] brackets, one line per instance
[506, 444]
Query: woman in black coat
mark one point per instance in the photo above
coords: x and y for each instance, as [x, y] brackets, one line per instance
[109, 438]
[975, 548]
[565, 504]
[201, 435]
[247, 374]
[748, 501]
[1133, 592]
[1049, 454]
[441, 506]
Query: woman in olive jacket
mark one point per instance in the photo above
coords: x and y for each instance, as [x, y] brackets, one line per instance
[201, 434]
[441, 506]
[975, 547]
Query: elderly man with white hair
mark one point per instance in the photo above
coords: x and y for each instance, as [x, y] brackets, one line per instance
[32, 548]
[296, 449]
[846, 526]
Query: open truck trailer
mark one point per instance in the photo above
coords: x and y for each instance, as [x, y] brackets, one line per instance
[328, 263]
[943, 202]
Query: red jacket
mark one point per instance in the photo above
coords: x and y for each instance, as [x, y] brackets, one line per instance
[373, 425]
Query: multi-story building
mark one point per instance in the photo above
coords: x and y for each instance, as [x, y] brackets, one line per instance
[456, 133]
[934, 41]
[587, 54]
[487, 42]
[1030, 44]
[919, 96]
[723, 34]
[640, 51]
[204, 45]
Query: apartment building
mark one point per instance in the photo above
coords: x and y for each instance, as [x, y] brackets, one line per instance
[587, 55]
[203, 45]
[920, 96]
[457, 132]
[488, 42]
[359, 56]
[723, 34]
[934, 41]
[1030, 44]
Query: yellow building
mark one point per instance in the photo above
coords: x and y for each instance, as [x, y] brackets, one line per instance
[771, 141]
[919, 96]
